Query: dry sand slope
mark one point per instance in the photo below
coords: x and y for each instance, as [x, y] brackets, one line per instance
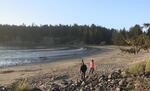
[110, 58]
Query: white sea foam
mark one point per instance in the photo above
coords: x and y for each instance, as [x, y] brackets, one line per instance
[16, 57]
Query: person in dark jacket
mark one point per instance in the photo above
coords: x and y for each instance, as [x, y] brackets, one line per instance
[83, 69]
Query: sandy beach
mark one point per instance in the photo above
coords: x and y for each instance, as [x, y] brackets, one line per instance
[110, 58]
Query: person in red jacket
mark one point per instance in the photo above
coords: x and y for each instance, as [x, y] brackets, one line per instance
[91, 66]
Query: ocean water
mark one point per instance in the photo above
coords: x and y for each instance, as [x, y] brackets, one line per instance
[13, 57]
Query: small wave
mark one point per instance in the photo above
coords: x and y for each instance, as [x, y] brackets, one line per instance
[19, 57]
[11, 62]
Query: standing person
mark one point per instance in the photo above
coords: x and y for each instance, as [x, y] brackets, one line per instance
[91, 66]
[83, 69]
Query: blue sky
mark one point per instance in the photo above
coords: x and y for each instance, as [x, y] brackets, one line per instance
[107, 13]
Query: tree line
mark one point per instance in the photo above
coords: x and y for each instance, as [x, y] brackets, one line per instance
[48, 35]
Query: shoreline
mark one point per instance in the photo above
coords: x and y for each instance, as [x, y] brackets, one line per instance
[88, 52]
[27, 70]
[106, 61]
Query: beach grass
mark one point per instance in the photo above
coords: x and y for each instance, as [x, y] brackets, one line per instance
[147, 67]
[22, 85]
[139, 67]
